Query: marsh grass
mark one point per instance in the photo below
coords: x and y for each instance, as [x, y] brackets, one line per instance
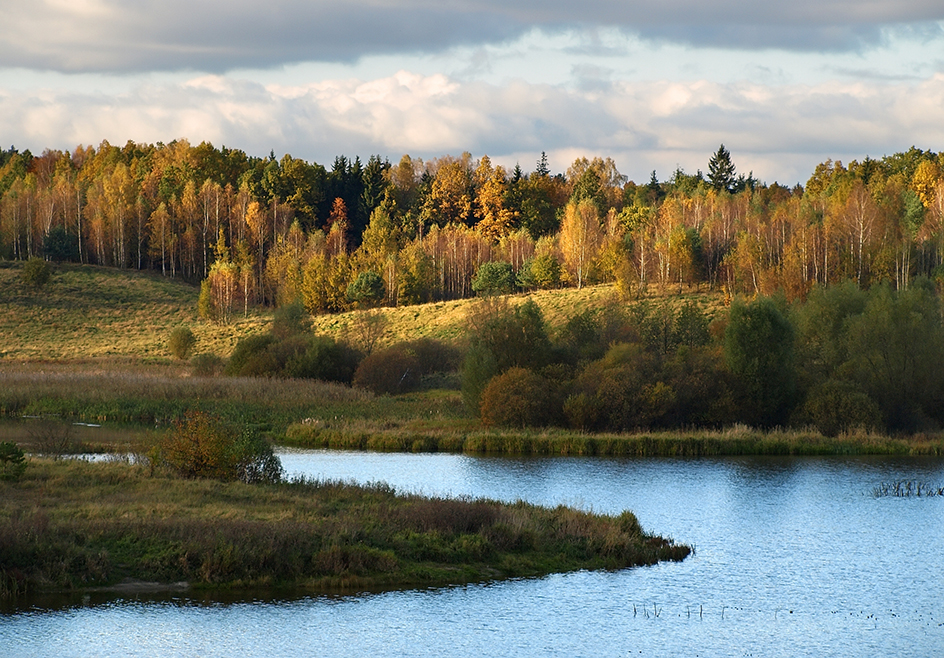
[737, 441]
[907, 489]
[155, 399]
[72, 524]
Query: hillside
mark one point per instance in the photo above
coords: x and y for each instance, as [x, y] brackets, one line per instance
[88, 312]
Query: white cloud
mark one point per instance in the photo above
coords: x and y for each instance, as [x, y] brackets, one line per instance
[780, 133]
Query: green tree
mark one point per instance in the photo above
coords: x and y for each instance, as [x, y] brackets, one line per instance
[896, 355]
[721, 170]
[12, 461]
[759, 351]
[367, 290]
[494, 278]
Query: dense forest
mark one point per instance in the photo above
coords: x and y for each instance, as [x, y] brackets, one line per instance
[273, 231]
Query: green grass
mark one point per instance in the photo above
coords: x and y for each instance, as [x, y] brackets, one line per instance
[69, 525]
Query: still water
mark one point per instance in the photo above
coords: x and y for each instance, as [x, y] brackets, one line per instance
[793, 557]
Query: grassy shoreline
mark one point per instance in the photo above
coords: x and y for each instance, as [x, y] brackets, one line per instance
[72, 525]
[737, 441]
[135, 405]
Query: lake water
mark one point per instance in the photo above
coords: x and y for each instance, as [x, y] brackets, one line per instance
[793, 557]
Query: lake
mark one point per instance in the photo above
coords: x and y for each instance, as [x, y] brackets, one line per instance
[793, 556]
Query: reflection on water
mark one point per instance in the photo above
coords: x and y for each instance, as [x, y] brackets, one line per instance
[793, 557]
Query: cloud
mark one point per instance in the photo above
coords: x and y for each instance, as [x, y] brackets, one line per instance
[217, 36]
[780, 133]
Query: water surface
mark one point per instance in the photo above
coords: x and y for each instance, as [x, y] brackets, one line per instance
[793, 557]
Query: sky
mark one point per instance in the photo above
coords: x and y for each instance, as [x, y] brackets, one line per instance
[653, 85]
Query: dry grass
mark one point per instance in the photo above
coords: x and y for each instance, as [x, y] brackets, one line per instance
[109, 316]
[448, 321]
[96, 313]
[71, 524]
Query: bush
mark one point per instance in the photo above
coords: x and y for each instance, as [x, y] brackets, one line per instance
[392, 370]
[546, 271]
[834, 407]
[181, 342]
[207, 365]
[36, 272]
[325, 359]
[366, 290]
[202, 446]
[52, 437]
[478, 368]
[494, 279]
[12, 461]
[435, 355]
[517, 398]
[251, 358]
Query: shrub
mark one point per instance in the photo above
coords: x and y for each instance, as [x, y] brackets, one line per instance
[834, 407]
[325, 359]
[494, 279]
[478, 368]
[546, 271]
[250, 358]
[202, 446]
[517, 398]
[52, 437]
[289, 320]
[392, 370]
[366, 290]
[36, 272]
[435, 355]
[181, 342]
[206, 365]
[12, 461]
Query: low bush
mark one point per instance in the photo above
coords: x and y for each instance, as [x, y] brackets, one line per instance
[203, 446]
[207, 365]
[36, 272]
[181, 343]
[392, 370]
[12, 461]
[834, 407]
[518, 398]
[494, 278]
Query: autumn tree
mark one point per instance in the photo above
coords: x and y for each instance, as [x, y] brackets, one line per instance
[580, 238]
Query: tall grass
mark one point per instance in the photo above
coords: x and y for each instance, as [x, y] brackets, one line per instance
[701, 443]
[68, 525]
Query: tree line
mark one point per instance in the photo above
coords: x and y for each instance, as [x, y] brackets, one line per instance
[275, 231]
[842, 360]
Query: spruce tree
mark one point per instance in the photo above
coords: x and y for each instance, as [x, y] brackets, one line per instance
[721, 170]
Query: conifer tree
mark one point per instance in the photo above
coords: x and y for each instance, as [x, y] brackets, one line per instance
[721, 170]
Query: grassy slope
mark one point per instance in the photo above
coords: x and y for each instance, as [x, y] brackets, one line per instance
[92, 313]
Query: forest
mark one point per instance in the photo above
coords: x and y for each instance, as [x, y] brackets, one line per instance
[834, 317]
[275, 231]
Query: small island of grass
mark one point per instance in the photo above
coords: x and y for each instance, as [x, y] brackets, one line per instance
[71, 524]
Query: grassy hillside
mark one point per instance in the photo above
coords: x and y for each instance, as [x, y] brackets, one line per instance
[87, 312]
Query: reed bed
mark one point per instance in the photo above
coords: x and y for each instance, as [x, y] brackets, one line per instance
[737, 441]
[69, 525]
